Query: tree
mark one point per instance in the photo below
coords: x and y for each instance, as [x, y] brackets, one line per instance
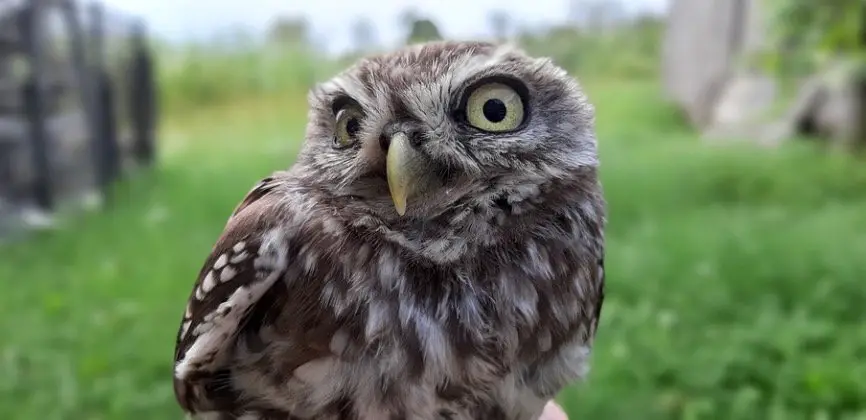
[408, 17]
[421, 29]
[596, 15]
[424, 30]
[363, 34]
[288, 30]
[500, 24]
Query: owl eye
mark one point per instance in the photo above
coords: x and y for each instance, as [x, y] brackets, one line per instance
[494, 107]
[347, 127]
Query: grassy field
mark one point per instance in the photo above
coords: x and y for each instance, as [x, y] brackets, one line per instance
[735, 273]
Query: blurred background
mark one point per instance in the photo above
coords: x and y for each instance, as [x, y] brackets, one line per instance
[731, 136]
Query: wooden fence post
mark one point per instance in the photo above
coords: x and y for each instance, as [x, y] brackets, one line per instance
[105, 127]
[142, 97]
[33, 97]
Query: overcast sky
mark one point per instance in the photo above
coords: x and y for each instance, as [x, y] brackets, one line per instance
[331, 19]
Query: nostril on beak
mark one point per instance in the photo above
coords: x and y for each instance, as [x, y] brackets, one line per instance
[384, 142]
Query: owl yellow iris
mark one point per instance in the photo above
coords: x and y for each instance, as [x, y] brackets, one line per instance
[345, 137]
[493, 97]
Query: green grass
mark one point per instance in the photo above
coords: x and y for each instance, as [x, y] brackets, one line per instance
[735, 273]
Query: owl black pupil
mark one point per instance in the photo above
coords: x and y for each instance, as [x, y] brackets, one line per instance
[352, 126]
[494, 110]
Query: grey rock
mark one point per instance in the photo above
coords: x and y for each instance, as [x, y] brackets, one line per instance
[706, 70]
[742, 106]
[701, 46]
[827, 105]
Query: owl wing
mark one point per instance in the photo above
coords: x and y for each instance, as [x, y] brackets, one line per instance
[249, 257]
[568, 361]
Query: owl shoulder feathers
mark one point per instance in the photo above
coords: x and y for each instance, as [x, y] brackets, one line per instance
[233, 292]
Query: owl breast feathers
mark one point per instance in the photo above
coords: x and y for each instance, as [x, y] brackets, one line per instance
[436, 251]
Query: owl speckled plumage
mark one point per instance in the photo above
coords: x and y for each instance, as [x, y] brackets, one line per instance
[436, 251]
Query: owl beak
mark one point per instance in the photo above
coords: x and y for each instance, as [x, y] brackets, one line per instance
[401, 167]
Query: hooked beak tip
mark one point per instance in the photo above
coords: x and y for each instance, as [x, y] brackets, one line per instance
[400, 207]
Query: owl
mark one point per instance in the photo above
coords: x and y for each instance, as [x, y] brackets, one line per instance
[436, 251]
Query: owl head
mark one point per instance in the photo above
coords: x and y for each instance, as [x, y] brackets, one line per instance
[445, 127]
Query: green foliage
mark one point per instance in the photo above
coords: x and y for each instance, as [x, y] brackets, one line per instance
[806, 32]
[735, 273]
[201, 75]
[422, 30]
[628, 51]
[220, 72]
[288, 31]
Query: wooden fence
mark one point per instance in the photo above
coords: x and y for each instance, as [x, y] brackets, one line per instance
[77, 104]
